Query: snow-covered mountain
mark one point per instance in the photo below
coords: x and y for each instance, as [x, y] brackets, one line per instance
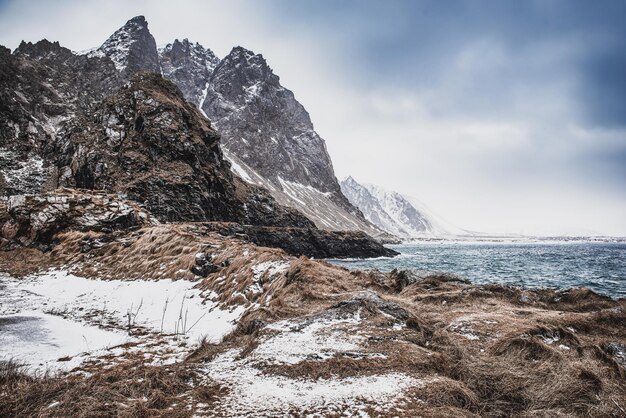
[391, 211]
[267, 135]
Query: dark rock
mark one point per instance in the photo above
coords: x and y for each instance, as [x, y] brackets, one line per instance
[147, 142]
[203, 266]
[311, 242]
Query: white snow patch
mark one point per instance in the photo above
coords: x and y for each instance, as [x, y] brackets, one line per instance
[239, 170]
[173, 310]
[271, 267]
[203, 99]
[295, 342]
[252, 391]
[39, 340]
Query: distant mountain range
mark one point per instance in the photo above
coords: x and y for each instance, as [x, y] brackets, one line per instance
[390, 211]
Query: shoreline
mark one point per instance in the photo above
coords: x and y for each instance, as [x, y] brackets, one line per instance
[310, 336]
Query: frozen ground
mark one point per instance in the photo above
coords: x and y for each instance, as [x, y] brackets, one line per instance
[57, 315]
[49, 342]
[252, 387]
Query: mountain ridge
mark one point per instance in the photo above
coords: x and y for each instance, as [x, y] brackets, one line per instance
[391, 211]
[79, 121]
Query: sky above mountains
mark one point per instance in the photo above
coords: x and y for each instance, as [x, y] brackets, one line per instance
[500, 116]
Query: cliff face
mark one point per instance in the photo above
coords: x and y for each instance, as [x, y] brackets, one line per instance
[107, 120]
[147, 142]
[42, 86]
[266, 133]
[264, 125]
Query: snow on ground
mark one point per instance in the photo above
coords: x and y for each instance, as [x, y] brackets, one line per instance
[288, 342]
[40, 340]
[294, 342]
[171, 311]
[252, 391]
[267, 269]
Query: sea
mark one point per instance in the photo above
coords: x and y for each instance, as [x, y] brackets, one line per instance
[600, 266]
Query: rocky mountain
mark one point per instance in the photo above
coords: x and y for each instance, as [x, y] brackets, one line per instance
[132, 48]
[190, 66]
[266, 133]
[149, 143]
[106, 120]
[389, 210]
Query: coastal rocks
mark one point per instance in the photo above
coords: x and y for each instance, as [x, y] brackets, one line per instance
[35, 219]
[311, 242]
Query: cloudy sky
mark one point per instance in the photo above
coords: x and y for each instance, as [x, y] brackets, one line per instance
[499, 116]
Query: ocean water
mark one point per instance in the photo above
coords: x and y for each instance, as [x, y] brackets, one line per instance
[598, 266]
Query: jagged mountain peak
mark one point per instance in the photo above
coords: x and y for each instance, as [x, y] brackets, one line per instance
[140, 20]
[179, 53]
[252, 68]
[41, 49]
[190, 66]
[243, 53]
[132, 48]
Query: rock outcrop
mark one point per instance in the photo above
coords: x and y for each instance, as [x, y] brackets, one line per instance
[147, 142]
[311, 242]
[34, 220]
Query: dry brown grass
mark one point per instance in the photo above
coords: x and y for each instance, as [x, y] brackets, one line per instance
[516, 367]
[23, 261]
[123, 391]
